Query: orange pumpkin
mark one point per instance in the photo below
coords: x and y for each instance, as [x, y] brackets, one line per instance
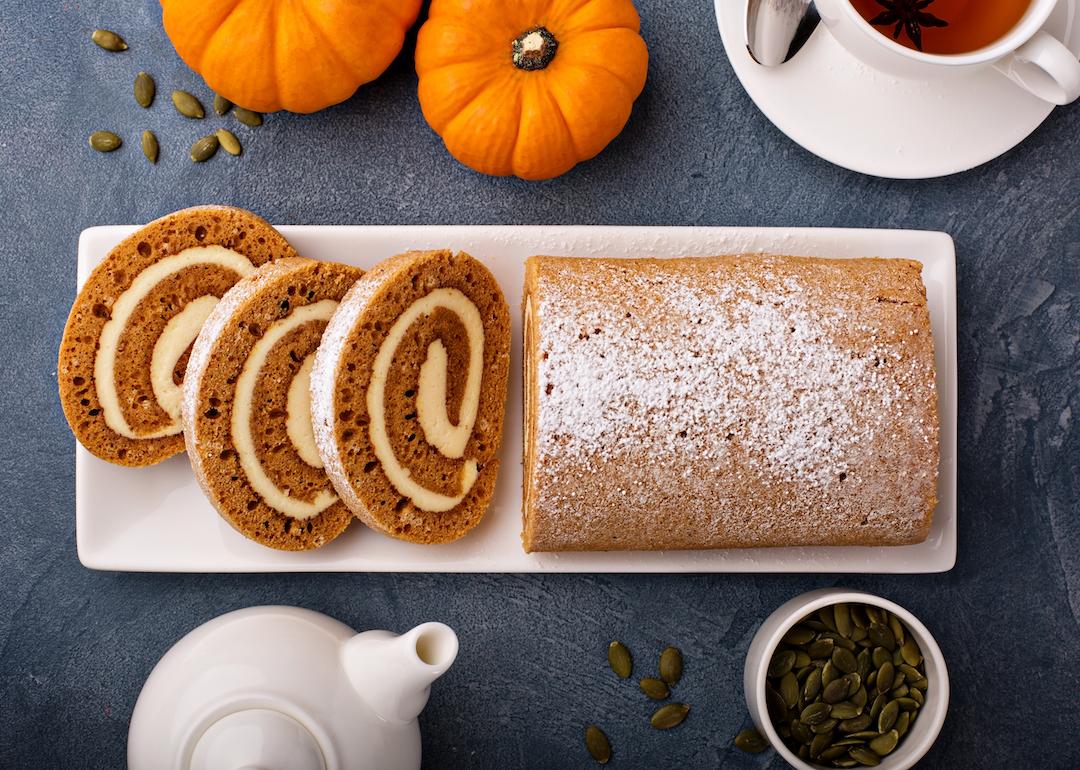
[529, 87]
[298, 55]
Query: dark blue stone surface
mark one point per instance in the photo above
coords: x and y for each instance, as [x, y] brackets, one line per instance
[75, 645]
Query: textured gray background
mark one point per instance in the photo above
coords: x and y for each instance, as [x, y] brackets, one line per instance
[75, 645]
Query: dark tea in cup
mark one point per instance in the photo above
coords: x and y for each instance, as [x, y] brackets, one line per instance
[943, 26]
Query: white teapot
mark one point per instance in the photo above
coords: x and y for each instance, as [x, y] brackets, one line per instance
[282, 688]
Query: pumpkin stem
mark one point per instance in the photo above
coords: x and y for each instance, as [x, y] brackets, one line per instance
[534, 49]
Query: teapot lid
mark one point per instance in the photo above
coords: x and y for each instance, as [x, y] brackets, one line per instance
[257, 739]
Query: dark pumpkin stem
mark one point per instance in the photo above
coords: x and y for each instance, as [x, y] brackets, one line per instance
[534, 49]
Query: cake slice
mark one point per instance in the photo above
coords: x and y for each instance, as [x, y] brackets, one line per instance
[128, 336]
[726, 402]
[247, 405]
[408, 395]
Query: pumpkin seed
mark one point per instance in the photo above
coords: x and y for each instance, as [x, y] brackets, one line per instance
[864, 756]
[880, 656]
[188, 105]
[897, 658]
[906, 704]
[804, 752]
[671, 665]
[899, 692]
[248, 117]
[819, 744]
[858, 617]
[778, 710]
[782, 662]
[825, 727]
[844, 660]
[105, 141]
[858, 634]
[815, 713]
[845, 763]
[850, 741]
[204, 149]
[909, 650]
[885, 677]
[654, 688]
[144, 89]
[854, 683]
[911, 673]
[842, 618]
[833, 752]
[917, 696]
[882, 636]
[865, 735]
[897, 629]
[855, 724]
[812, 685]
[150, 146]
[228, 141]
[902, 723]
[671, 715]
[845, 710]
[863, 662]
[751, 741]
[829, 673]
[618, 655]
[789, 690]
[822, 648]
[876, 615]
[817, 625]
[221, 104]
[877, 706]
[798, 635]
[825, 615]
[801, 732]
[598, 744]
[919, 684]
[859, 698]
[884, 744]
[888, 716]
[109, 40]
[802, 660]
[835, 691]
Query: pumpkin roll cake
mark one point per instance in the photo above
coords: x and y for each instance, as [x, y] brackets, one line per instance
[128, 337]
[408, 395]
[247, 405]
[727, 402]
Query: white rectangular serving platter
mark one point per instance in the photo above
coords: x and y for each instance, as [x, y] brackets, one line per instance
[157, 520]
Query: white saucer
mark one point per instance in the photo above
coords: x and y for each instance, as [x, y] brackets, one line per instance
[851, 115]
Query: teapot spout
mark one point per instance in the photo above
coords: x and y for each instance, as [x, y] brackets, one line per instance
[393, 674]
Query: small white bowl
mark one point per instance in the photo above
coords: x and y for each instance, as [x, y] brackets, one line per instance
[922, 734]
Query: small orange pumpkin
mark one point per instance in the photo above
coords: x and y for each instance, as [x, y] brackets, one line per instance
[298, 55]
[529, 87]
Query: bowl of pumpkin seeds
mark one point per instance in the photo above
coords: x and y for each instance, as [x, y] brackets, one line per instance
[838, 678]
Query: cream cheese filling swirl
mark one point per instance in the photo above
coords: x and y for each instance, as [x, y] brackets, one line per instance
[298, 410]
[179, 333]
[448, 439]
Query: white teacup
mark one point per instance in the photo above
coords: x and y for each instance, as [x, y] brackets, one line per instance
[1027, 54]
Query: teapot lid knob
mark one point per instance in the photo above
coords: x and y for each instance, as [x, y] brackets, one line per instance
[257, 739]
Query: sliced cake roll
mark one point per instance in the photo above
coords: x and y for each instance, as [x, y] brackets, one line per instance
[247, 405]
[128, 336]
[408, 394]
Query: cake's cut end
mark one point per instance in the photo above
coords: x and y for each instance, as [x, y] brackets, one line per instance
[409, 394]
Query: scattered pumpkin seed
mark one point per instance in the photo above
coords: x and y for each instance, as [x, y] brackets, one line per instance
[144, 89]
[654, 688]
[204, 149]
[188, 105]
[751, 741]
[618, 655]
[109, 40]
[598, 744]
[671, 715]
[150, 146]
[671, 665]
[105, 141]
[228, 141]
[248, 117]
[221, 104]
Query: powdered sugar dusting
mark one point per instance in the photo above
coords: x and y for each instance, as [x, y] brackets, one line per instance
[683, 375]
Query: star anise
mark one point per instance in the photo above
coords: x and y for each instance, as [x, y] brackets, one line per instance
[909, 16]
